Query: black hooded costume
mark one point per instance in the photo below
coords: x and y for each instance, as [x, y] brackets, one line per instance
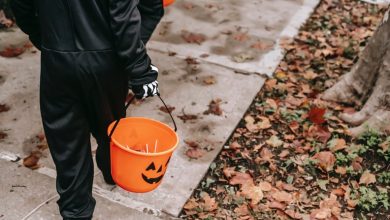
[90, 51]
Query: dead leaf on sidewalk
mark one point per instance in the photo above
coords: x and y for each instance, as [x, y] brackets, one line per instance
[214, 107]
[31, 161]
[195, 153]
[191, 37]
[4, 108]
[169, 110]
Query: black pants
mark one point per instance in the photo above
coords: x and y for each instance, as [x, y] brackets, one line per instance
[78, 99]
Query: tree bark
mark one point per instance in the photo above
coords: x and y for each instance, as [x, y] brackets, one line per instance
[370, 77]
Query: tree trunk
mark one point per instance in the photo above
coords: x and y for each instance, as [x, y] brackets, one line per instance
[370, 77]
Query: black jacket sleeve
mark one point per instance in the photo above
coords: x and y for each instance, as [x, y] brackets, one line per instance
[26, 16]
[126, 28]
[151, 13]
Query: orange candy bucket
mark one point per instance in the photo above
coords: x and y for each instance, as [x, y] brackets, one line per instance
[168, 2]
[141, 149]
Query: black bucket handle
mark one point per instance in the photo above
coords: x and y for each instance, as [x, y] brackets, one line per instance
[127, 106]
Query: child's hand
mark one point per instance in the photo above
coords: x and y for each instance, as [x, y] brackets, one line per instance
[147, 90]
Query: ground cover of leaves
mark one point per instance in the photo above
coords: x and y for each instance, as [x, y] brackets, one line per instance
[291, 157]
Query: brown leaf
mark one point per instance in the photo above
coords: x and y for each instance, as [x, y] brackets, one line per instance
[12, 51]
[195, 153]
[31, 161]
[341, 170]
[192, 61]
[241, 179]
[229, 171]
[282, 196]
[209, 203]
[170, 109]
[293, 214]
[264, 123]
[190, 37]
[337, 144]
[3, 135]
[235, 145]
[4, 108]
[265, 186]
[277, 205]
[252, 192]
[367, 178]
[325, 160]
[187, 117]
[209, 80]
[284, 153]
[214, 108]
[274, 141]
[191, 204]
[192, 144]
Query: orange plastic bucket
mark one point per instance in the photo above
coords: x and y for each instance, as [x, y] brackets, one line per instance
[140, 152]
[168, 2]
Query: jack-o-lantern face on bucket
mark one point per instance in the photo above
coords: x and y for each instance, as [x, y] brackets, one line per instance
[153, 174]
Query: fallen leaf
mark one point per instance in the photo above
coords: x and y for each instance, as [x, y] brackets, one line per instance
[191, 61]
[274, 141]
[252, 192]
[235, 145]
[4, 108]
[170, 109]
[243, 57]
[187, 117]
[209, 203]
[241, 179]
[3, 135]
[293, 214]
[284, 153]
[277, 205]
[195, 153]
[190, 37]
[341, 170]
[12, 51]
[265, 186]
[316, 115]
[325, 160]
[229, 171]
[337, 144]
[191, 204]
[282, 196]
[191, 144]
[214, 107]
[209, 80]
[367, 178]
[31, 161]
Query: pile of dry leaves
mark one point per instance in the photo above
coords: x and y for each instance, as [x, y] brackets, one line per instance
[291, 157]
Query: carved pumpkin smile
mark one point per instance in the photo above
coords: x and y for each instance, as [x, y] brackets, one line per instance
[149, 175]
[151, 180]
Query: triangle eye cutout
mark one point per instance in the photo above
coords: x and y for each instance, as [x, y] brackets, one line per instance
[159, 169]
[151, 167]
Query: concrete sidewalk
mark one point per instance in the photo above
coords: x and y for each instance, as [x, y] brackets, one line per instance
[205, 50]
